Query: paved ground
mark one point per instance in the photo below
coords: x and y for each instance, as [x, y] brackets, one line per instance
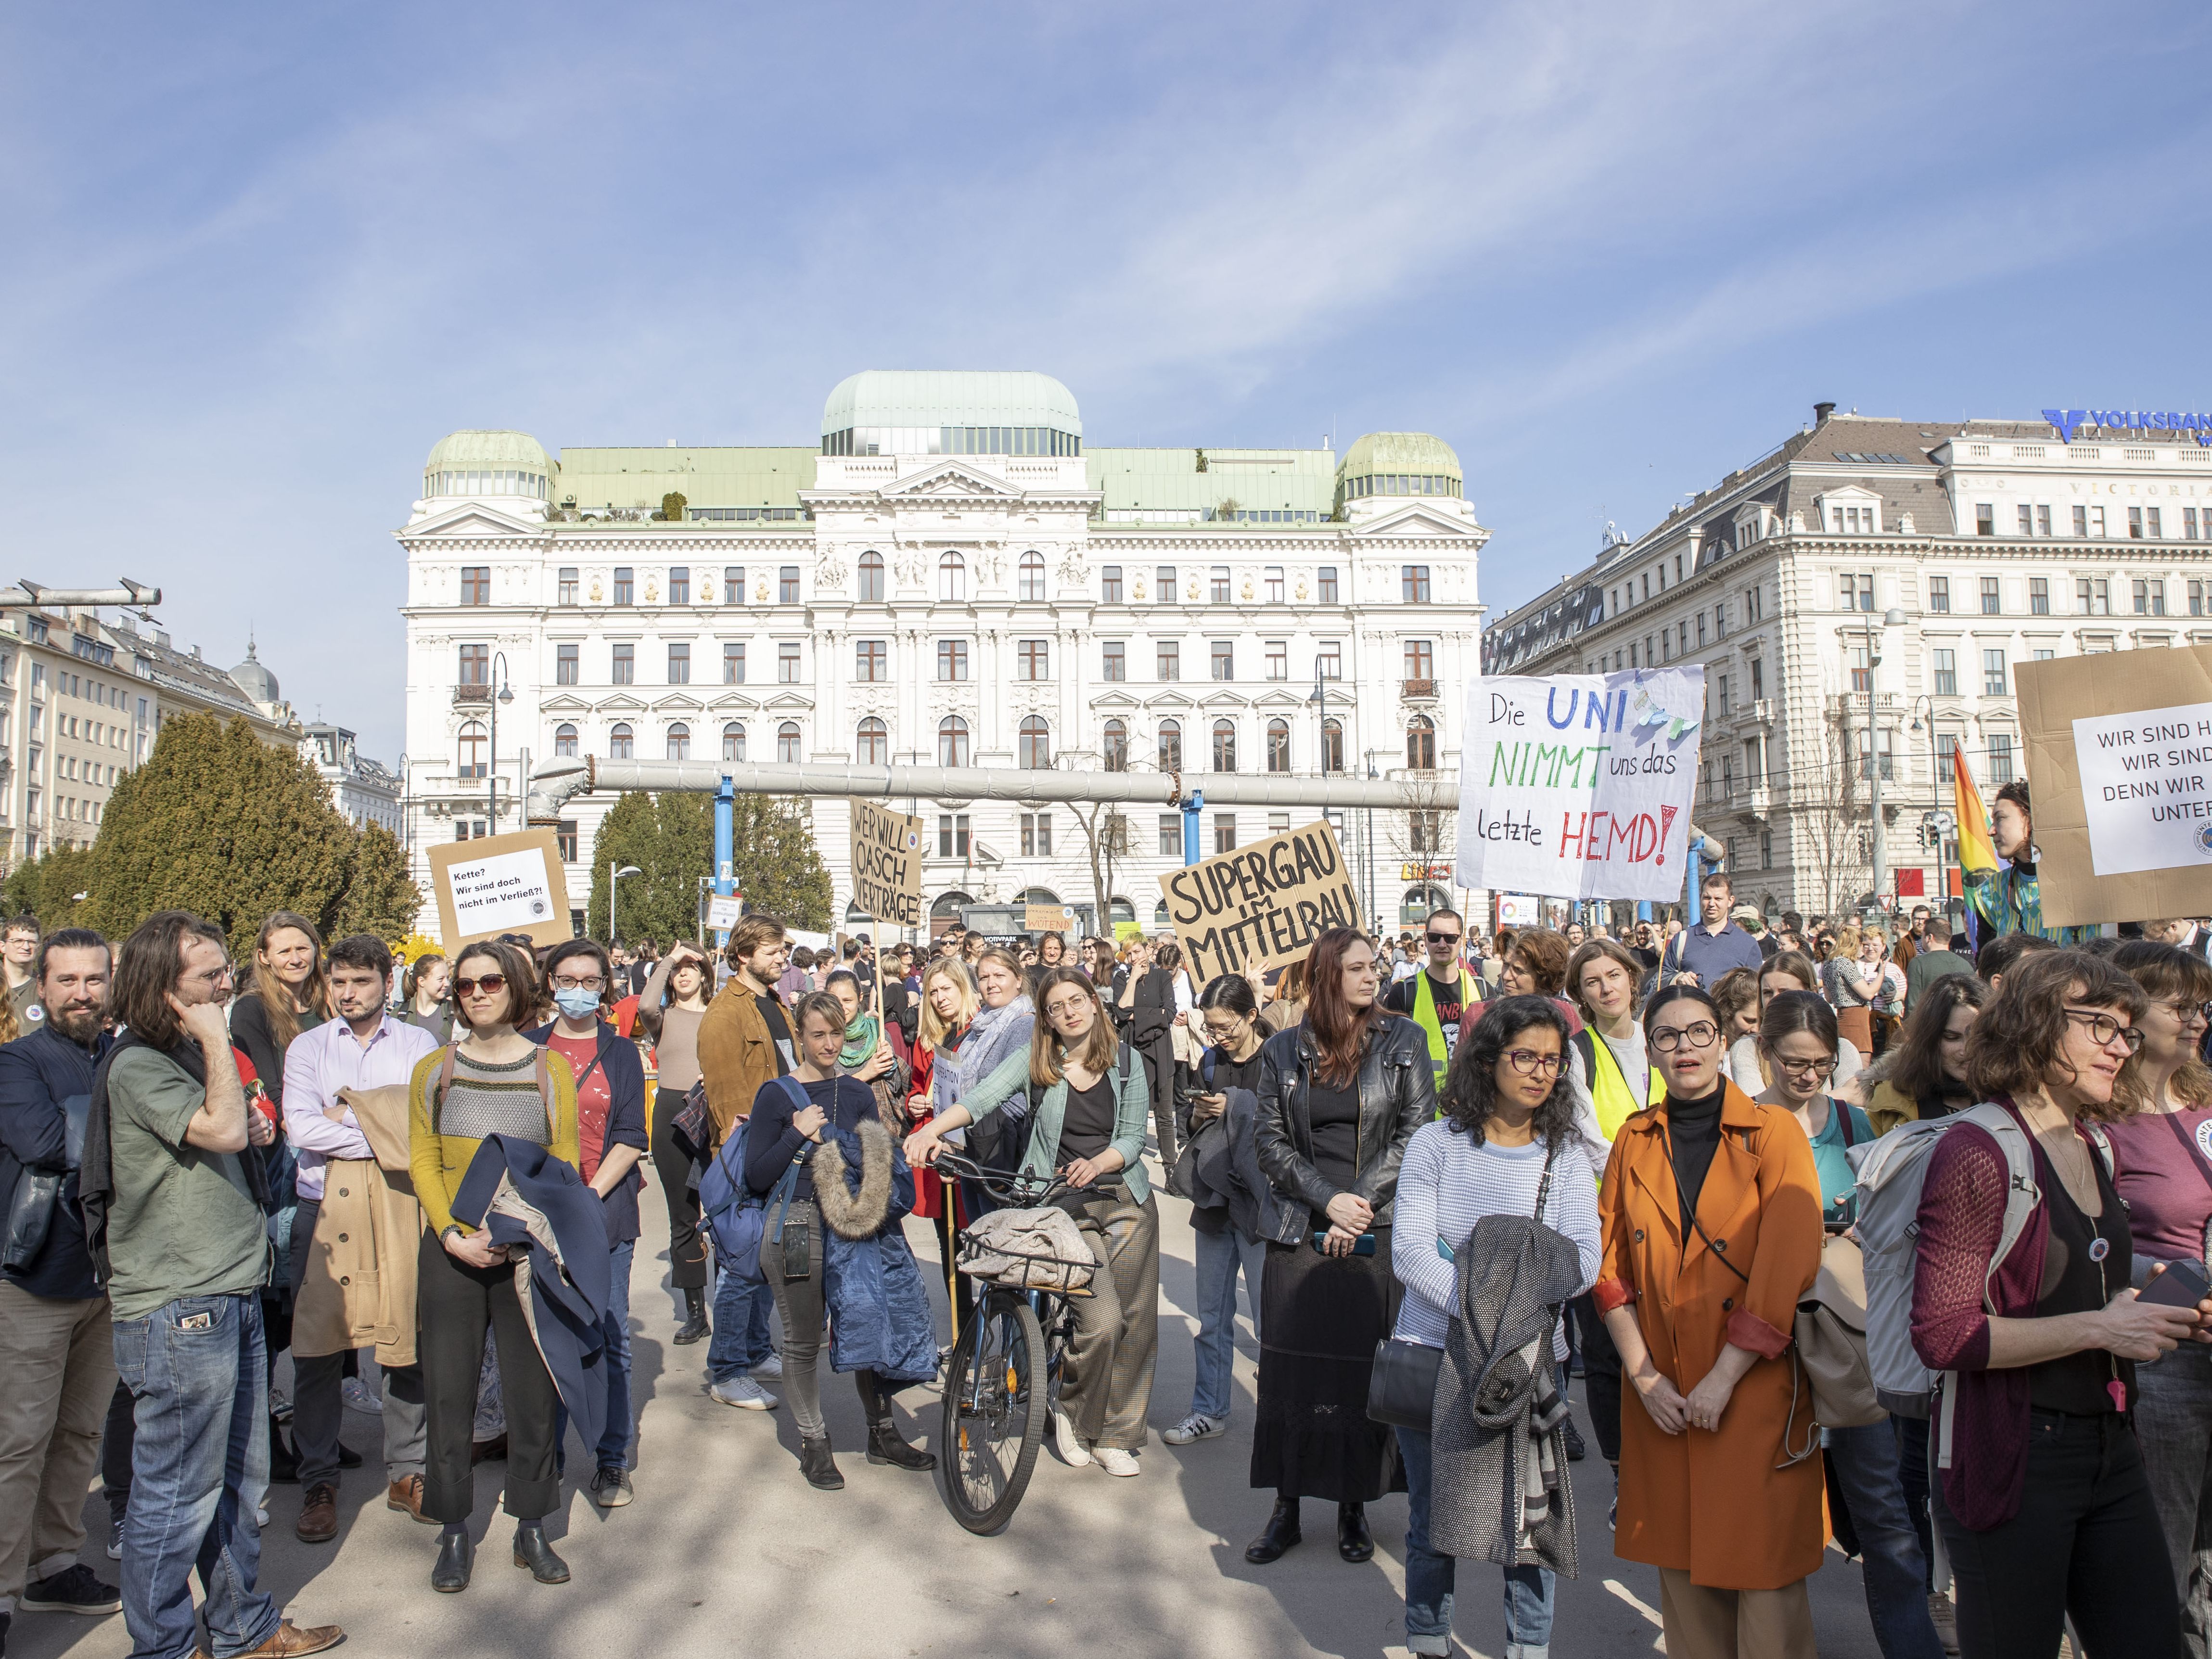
[726, 1548]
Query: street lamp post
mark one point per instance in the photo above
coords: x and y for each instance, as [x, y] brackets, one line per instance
[614, 891]
[505, 693]
[1893, 617]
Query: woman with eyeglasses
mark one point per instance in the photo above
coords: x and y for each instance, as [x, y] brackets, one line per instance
[1711, 1214]
[1786, 970]
[2046, 1511]
[1340, 1096]
[2162, 1152]
[1089, 1102]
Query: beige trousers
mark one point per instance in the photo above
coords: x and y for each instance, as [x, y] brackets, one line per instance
[1724, 1624]
[57, 1377]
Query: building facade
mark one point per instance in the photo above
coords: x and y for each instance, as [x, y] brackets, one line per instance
[949, 576]
[2002, 542]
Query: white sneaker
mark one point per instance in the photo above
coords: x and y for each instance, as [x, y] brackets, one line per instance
[745, 1393]
[1197, 1426]
[358, 1398]
[1115, 1461]
[1073, 1452]
[770, 1370]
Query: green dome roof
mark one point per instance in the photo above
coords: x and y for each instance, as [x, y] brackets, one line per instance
[1400, 452]
[483, 451]
[911, 398]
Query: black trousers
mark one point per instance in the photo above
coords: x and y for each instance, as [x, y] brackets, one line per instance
[1600, 1377]
[687, 1257]
[2086, 1543]
[455, 1305]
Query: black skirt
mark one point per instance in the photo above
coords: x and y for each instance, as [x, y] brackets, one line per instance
[1319, 1323]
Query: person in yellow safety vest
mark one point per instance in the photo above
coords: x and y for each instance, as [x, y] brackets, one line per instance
[1602, 979]
[1434, 998]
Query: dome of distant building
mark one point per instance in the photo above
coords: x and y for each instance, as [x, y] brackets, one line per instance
[488, 463]
[950, 412]
[255, 680]
[1400, 464]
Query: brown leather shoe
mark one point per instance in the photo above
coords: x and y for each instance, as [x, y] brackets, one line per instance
[319, 1515]
[290, 1642]
[405, 1495]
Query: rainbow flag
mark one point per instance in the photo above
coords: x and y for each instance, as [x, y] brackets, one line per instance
[1976, 852]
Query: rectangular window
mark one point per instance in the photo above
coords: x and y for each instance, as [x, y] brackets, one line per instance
[1033, 659]
[1218, 583]
[2189, 524]
[1753, 605]
[475, 667]
[566, 593]
[2042, 521]
[1170, 835]
[1329, 660]
[2153, 590]
[1225, 832]
[680, 664]
[952, 660]
[1990, 606]
[1326, 577]
[787, 662]
[1110, 585]
[1721, 685]
[2000, 758]
[624, 670]
[1274, 584]
[1163, 585]
[1116, 664]
[1421, 661]
[2153, 524]
[476, 584]
[625, 586]
[1862, 670]
[2097, 523]
[786, 585]
[679, 584]
[1946, 672]
[1857, 591]
[565, 665]
[2135, 524]
[871, 660]
[1938, 596]
[733, 583]
[733, 663]
[952, 834]
[2026, 521]
[1753, 770]
[1757, 677]
[1036, 834]
[2093, 596]
[1720, 620]
[564, 835]
[1167, 661]
[1993, 673]
[2039, 596]
[1985, 519]
[1701, 627]
[2196, 598]
[1413, 584]
[2081, 520]
[1222, 655]
[1278, 660]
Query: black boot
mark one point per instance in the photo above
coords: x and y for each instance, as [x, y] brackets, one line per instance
[885, 1446]
[1576, 1450]
[820, 1468]
[1280, 1534]
[532, 1550]
[1353, 1542]
[457, 1560]
[283, 1463]
[695, 1325]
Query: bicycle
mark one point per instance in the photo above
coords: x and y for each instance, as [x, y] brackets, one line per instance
[991, 1428]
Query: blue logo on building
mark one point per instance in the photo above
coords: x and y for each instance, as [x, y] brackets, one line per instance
[2199, 427]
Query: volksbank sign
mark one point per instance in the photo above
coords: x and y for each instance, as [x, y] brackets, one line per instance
[2130, 420]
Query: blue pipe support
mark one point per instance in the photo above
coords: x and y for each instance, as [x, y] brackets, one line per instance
[1193, 805]
[726, 796]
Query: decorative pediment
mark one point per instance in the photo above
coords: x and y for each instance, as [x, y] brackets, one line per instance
[1116, 703]
[790, 702]
[1415, 518]
[474, 518]
[566, 703]
[679, 702]
[1291, 701]
[1170, 702]
[949, 479]
[622, 703]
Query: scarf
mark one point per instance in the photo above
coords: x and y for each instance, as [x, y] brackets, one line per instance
[995, 1034]
[861, 1037]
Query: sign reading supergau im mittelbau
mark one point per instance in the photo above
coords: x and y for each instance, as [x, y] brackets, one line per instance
[1262, 905]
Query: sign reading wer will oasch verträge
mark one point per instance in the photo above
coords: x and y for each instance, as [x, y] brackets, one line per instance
[886, 865]
[510, 884]
[1262, 905]
[1579, 786]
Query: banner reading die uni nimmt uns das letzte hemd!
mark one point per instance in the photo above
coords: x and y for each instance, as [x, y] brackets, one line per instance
[1579, 786]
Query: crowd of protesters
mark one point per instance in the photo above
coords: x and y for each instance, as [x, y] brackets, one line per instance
[1490, 1165]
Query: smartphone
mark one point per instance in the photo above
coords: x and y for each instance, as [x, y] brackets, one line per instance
[1363, 1245]
[2183, 1285]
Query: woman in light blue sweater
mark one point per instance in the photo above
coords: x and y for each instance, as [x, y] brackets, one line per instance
[1508, 1112]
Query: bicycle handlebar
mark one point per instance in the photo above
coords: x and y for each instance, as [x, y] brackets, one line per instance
[1014, 1187]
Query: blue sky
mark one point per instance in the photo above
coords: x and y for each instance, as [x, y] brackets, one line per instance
[260, 258]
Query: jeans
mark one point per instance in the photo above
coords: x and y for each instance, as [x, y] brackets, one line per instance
[2173, 1415]
[1865, 1460]
[2085, 1544]
[1221, 1257]
[613, 1450]
[198, 1377]
[740, 1337]
[1429, 1576]
[1911, 1435]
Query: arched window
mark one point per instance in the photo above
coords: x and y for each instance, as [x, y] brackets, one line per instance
[1225, 745]
[679, 742]
[620, 745]
[1160, 915]
[1421, 743]
[1171, 747]
[1332, 745]
[953, 741]
[871, 744]
[945, 910]
[733, 741]
[1036, 744]
[1032, 585]
[952, 578]
[1114, 741]
[1036, 896]
[787, 741]
[1279, 745]
[1420, 901]
[1120, 910]
[564, 740]
[473, 748]
[872, 579]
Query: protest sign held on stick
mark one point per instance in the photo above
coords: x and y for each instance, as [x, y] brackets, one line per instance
[1260, 906]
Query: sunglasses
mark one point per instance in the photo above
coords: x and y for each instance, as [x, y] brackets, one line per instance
[490, 985]
[1443, 939]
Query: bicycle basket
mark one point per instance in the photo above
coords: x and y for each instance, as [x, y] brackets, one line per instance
[1027, 1250]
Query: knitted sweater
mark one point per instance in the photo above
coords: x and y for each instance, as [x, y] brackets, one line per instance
[444, 1132]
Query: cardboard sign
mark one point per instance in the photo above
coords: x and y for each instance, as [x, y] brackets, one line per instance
[495, 884]
[1262, 906]
[1047, 918]
[1580, 785]
[886, 865]
[725, 911]
[2119, 748]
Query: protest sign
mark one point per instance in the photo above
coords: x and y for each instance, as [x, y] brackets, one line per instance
[511, 883]
[1519, 910]
[725, 911]
[1579, 786]
[1047, 918]
[2119, 750]
[886, 865]
[1262, 905]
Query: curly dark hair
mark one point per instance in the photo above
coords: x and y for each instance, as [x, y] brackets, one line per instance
[1470, 1090]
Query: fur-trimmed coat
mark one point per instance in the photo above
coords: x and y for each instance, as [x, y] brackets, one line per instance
[880, 1317]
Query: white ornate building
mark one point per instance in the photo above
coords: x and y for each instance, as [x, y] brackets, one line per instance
[949, 576]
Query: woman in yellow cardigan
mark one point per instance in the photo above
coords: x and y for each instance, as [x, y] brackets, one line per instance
[499, 1082]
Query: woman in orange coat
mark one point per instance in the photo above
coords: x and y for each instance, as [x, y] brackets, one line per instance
[1711, 1215]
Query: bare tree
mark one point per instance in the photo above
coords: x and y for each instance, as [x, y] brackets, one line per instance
[1825, 802]
[1105, 834]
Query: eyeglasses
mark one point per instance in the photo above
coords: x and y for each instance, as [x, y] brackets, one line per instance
[594, 983]
[213, 976]
[2187, 1011]
[1067, 1007]
[1443, 939]
[1805, 1069]
[2103, 1028]
[1702, 1035]
[490, 985]
[1529, 1063]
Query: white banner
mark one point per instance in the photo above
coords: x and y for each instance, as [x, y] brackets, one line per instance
[1579, 786]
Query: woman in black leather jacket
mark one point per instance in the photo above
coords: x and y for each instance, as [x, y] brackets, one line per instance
[1340, 1096]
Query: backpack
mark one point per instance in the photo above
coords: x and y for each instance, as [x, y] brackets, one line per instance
[737, 1216]
[1892, 1170]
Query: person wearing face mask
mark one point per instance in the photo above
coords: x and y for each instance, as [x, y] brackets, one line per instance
[670, 1009]
[611, 1141]
[1711, 1209]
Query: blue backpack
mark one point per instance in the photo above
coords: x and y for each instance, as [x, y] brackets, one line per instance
[734, 1214]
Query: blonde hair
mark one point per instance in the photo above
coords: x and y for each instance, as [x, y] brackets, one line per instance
[933, 1028]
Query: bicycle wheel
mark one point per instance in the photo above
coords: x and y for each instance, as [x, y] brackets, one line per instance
[994, 1413]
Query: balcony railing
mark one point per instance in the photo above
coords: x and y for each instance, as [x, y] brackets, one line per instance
[1417, 689]
[469, 694]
